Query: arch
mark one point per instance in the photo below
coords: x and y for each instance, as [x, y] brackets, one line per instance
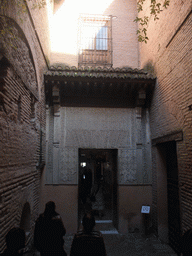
[16, 49]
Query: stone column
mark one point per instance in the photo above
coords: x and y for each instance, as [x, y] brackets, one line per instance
[56, 144]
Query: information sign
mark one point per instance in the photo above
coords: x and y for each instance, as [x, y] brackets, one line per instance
[145, 209]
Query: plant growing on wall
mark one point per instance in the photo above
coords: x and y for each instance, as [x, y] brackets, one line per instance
[21, 4]
[20, 8]
[155, 8]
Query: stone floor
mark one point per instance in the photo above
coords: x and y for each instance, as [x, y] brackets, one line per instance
[132, 244]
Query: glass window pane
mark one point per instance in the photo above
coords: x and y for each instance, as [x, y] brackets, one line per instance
[101, 39]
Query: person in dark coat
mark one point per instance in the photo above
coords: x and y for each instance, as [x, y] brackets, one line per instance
[86, 185]
[186, 243]
[88, 242]
[15, 241]
[49, 232]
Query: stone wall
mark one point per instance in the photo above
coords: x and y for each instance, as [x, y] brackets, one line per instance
[169, 53]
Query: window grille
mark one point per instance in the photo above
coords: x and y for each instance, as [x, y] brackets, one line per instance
[19, 109]
[95, 40]
[33, 101]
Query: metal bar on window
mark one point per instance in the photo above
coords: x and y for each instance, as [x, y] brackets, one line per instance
[95, 42]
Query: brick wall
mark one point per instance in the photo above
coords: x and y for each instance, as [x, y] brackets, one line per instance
[22, 123]
[19, 153]
[169, 52]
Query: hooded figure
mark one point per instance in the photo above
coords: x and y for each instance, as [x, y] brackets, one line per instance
[49, 232]
[15, 241]
[88, 242]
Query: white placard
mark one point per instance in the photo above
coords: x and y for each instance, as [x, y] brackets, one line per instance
[145, 209]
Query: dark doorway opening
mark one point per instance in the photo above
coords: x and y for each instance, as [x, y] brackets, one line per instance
[169, 153]
[98, 185]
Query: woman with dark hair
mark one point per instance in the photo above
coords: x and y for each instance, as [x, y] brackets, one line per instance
[15, 241]
[88, 242]
[86, 185]
[49, 232]
[186, 243]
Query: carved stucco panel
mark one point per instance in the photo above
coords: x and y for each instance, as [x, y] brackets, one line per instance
[127, 166]
[68, 165]
[95, 128]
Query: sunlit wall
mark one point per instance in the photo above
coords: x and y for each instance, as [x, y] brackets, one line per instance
[64, 29]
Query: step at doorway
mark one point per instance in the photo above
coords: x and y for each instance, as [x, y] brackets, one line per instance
[106, 227]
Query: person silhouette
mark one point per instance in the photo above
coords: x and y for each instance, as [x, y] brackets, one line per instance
[186, 243]
[86, 184]
[49, 232]
[15, 241]
[88, 242]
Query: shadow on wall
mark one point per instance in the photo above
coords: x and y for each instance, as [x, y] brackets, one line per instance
[138, 223]
[149, 67]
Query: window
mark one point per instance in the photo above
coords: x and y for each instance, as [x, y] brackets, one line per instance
[83, 164]
[95, 42]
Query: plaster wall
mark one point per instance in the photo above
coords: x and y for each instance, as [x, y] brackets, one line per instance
[66, 201]
[131, 200]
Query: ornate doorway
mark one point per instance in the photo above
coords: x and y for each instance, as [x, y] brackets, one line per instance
[98, 184]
